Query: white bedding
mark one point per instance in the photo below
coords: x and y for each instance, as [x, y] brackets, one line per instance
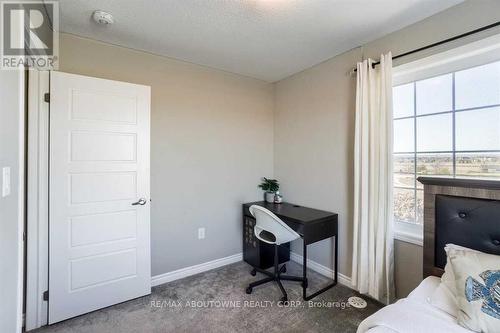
[413, 314]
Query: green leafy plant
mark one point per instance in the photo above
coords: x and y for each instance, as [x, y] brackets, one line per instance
[269, 185]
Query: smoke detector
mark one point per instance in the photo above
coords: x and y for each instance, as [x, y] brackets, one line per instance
[103, 18]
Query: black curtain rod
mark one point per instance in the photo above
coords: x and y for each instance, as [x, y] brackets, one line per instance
[496, 24]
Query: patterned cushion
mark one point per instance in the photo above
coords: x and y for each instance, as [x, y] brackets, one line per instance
[477, 281]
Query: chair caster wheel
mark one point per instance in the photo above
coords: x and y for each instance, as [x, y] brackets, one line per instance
[283, 301]
[248, 290]
[253, 272]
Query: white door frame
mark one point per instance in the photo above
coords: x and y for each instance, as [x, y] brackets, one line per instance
[37, 265]
[37, 194]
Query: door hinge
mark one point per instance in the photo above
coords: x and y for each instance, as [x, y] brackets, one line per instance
[46, 295]
[46, 97]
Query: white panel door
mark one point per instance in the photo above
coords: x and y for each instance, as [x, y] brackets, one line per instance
[99, 233]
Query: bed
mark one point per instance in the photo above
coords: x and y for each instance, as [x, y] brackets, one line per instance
[456, 211]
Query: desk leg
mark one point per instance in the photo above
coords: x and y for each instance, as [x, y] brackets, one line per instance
[331, 285]
[336, 254]
[304, 272]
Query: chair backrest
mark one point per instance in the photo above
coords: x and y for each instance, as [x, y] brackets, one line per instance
[267, 223]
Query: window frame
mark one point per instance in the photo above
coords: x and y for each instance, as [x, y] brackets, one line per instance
[464, 57]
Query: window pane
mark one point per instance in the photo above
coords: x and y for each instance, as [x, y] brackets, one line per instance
[478, 129]
[478, 86]
[402, 97]
[434, 133]
[404, 163]
[478, 165]
[434, 165]
[435, 94]
[420, 207]
[404, 180]
[404, 205]
[404, 138]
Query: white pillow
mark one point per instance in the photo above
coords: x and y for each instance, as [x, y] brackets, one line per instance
[448, 277]
[477, 277]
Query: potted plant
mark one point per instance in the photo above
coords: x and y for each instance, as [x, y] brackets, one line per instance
[271, 186]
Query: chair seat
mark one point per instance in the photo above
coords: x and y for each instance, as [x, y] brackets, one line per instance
[271, 229]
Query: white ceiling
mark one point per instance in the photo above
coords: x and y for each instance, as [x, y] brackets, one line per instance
[264, 39]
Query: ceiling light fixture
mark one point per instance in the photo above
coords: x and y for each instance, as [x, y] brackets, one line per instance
[103, 18]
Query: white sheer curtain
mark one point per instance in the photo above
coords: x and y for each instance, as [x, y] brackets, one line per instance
[373, 257]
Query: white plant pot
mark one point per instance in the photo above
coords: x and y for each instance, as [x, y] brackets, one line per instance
[269, 196]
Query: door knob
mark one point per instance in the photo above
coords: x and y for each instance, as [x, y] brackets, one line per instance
[141, 202]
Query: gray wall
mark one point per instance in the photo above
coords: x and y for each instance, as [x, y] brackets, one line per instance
[11, 95]
[314, 129]
[409, 267]
[314, 132]
[211, 141]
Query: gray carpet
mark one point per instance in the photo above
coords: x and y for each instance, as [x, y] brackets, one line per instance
[170, 309]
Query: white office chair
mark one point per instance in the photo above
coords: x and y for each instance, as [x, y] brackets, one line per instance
[272, 230]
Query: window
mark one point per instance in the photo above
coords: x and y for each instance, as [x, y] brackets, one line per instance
[446, 125]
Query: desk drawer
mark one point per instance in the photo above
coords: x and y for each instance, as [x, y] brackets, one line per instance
[320, 230]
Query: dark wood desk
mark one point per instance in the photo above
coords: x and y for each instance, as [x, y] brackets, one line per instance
[312, 225]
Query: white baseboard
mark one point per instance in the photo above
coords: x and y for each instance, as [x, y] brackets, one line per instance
[323, 270]
[200, 268]
[192, 270]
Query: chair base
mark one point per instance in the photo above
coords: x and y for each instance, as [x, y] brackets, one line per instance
[276, 276]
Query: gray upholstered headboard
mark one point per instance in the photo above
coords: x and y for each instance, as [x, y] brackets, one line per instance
[462, 212]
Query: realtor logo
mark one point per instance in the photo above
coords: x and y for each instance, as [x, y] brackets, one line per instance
[29, 36]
